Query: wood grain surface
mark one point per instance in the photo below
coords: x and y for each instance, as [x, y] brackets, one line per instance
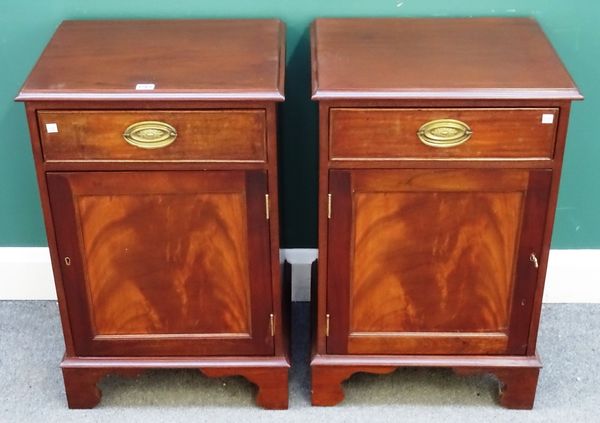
[172, 259]
[163, 263]
[269, 374]
[183, 59]
[431, 260]
[441, 58]
[363, 134]
[415, 233]
[202, 135]
[517, 375]
[165, 256]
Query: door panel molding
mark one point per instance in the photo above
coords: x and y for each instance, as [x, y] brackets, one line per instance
[218, 215]
[507, 199]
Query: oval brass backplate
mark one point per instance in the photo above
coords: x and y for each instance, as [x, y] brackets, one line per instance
[150, 134]
[443, 133]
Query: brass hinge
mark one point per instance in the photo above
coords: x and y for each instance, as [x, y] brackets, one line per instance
[272, 323]
[267, 205]
[328, 206]
[327, 325]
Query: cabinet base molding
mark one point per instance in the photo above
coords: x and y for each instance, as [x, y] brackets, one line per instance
[517, 376]
[269, 374]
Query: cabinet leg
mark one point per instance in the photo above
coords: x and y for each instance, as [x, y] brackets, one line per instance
[326, 385]
[326, 381]
[272, 383]
[80, 387]
[517, 385]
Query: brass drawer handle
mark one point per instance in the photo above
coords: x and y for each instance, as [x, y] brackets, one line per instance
[443, 133]
[150, 134]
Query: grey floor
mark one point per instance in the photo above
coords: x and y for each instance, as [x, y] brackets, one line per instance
[31, 385]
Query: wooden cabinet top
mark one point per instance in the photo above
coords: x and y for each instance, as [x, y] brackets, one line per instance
[161, 59]
[438, 58]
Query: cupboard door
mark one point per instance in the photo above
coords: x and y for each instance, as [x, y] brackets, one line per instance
[164, 262]
[425, 261]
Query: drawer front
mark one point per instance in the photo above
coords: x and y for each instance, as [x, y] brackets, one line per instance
[379, 134]
[206, 135]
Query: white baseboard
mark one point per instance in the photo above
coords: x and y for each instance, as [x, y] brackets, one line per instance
[573, 275]
[301, 260]
[26, 274]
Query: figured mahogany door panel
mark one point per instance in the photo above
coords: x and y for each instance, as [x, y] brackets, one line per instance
[201, 135]
[391, 134]
[170, 263]
[426, 260]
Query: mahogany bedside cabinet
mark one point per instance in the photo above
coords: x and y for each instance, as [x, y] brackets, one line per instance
[156, 155]
[441, 145]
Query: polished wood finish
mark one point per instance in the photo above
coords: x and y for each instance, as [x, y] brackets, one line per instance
[449, 58]
[190, 59]
[82, 375]
[206, 135]
[441, 232]
[327, 382]
[517, 387]
[517, 376]
[165, 258]
[81, 385]
[270, 395]
[144, 276]
[425, 254]
[454, 234]
[497, 133]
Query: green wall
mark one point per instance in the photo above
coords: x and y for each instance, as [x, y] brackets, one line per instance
[26, 26]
